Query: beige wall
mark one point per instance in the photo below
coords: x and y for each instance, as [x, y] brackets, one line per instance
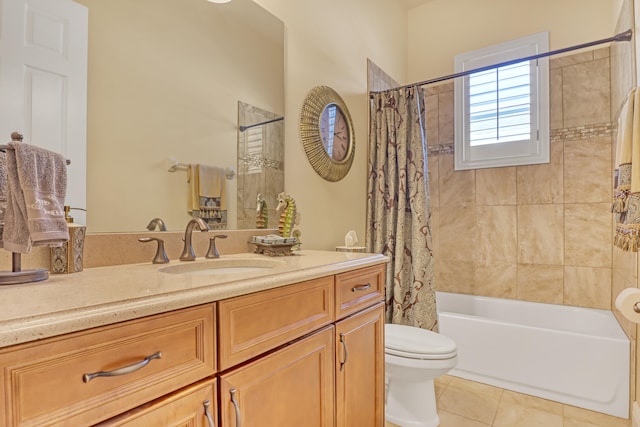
[328, 43]
[441, 29]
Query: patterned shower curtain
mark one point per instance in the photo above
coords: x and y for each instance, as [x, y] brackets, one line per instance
[398, 211]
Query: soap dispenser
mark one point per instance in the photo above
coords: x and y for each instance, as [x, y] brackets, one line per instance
[68, 257]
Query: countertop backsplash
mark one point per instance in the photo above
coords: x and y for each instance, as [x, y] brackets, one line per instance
[107, 249]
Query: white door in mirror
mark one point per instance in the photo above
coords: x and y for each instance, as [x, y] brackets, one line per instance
[43, 82]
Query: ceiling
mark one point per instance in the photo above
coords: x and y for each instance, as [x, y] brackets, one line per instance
[410, 4]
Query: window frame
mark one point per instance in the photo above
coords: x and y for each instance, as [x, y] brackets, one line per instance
[513, 153]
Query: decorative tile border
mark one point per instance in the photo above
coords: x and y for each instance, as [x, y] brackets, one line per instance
[440, 149]
[263, 162]
[598, 130]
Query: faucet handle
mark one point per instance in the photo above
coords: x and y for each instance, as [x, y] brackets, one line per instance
[161, 255]
[212, 252]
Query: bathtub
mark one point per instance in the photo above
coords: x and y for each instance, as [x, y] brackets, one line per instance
[571, 355]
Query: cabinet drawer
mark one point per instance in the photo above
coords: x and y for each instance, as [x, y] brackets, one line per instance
[358, 289]
[46, 382]
[194, 407]
[256, 323]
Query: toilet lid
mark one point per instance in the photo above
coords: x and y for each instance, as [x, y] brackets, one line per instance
[408, 341]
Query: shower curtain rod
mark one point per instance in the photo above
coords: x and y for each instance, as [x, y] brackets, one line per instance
[622, 37]
[243, 128]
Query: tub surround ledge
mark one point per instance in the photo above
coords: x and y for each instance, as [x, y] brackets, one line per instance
[106, 295]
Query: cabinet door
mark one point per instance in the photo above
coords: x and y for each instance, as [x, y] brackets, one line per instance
[291, 387]
[360, 369]
[191, 407]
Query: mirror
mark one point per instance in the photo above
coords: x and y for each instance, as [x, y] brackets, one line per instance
[164, 83]
[334, 132]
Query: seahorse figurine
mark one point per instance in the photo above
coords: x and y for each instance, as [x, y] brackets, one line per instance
[262, 217]
[287, 209]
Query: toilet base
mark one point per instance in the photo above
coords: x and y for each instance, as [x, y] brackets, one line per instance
[411, 404]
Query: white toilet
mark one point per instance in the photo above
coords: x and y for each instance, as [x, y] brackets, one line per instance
[413, 358]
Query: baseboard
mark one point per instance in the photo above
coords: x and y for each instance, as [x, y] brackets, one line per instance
[635, 415]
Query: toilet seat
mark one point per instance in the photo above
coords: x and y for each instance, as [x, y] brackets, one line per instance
[415, 343]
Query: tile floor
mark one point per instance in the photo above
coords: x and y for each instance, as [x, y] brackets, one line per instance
[463, 403]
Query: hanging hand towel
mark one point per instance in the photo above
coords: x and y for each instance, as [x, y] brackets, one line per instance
[624, 144]
[37, 181]
[626, 202]
[212, 184]
[193, 178]
[205, 181]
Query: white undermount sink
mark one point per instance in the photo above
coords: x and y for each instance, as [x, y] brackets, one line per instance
[222, 266]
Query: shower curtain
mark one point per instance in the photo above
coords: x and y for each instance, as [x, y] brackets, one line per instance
[398, 212]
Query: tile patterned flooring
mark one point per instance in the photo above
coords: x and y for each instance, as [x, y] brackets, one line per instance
[463, 403]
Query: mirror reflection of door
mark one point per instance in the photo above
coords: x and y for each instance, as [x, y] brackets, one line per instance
[43, 82]
[260, 164]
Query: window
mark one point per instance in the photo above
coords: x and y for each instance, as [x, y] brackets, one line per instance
[253, 156]
[502, 113]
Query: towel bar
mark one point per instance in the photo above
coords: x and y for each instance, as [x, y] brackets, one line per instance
[174, 165]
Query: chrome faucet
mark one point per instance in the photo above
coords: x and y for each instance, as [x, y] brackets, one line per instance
[157, 222]
[187, 252]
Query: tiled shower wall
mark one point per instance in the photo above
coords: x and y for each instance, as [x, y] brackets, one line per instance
[259, 172]
[539, 232]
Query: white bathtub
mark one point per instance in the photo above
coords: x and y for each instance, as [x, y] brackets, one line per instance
[572, 355]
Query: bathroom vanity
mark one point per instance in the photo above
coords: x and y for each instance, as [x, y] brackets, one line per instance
[241, 341]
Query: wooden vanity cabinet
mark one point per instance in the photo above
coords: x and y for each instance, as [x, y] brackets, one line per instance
[307, 354]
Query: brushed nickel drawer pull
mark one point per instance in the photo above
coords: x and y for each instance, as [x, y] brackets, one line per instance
[361, 287]
[346, 352]
[123, 371]
[232, 392]
[207, 414]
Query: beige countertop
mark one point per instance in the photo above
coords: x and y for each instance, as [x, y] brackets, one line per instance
[106, 295]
